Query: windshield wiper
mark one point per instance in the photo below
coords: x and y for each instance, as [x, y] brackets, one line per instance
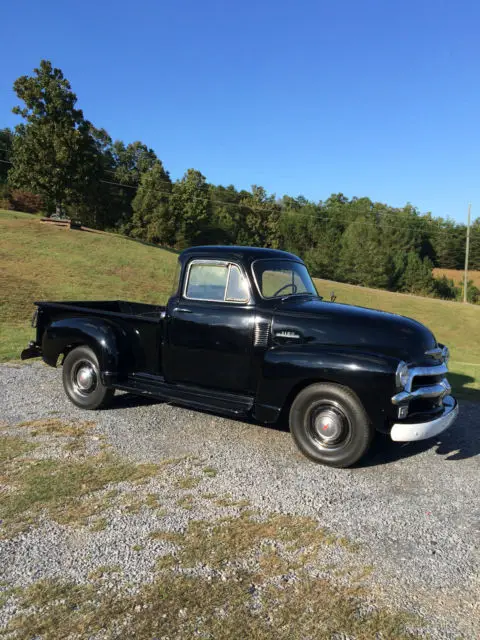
[306, 293]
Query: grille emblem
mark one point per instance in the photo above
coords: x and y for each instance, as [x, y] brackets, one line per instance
[437, 353]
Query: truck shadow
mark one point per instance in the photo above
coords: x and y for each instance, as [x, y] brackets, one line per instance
[460, 442]
[459, 383]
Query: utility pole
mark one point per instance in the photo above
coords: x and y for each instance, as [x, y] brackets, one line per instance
[467, 250]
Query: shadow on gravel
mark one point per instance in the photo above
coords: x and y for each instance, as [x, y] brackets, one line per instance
[460, 442]
[130, 400]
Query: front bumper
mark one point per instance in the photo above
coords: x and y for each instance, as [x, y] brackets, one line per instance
[410, 431]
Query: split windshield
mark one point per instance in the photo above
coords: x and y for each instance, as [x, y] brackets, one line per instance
[281, 278]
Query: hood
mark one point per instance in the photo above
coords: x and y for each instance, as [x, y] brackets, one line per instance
[372, 331]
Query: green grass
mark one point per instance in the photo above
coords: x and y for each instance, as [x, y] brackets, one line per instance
[39, 262]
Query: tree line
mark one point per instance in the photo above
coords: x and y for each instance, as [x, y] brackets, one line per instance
[59, 162]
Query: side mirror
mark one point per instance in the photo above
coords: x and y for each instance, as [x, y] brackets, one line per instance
[333, 297]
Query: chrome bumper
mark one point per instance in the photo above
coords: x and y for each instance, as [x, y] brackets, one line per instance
[410, 431]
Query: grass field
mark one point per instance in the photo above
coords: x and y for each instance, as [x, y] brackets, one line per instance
[457, 275]
[42, 262]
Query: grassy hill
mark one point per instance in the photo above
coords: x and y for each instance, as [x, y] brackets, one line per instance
[38, 262]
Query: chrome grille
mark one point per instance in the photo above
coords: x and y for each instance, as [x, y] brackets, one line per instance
[422, 376]
[427, 383]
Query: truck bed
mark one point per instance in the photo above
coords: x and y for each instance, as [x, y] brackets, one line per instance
[110, 307]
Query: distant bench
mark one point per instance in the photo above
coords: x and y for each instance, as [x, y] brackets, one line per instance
[63, 222]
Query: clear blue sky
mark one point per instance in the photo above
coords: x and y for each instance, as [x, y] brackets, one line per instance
[369, 97]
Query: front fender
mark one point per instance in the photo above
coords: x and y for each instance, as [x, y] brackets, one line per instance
[285, 369]
[98, 334]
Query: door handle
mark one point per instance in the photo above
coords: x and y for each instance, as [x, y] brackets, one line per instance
[182, 310]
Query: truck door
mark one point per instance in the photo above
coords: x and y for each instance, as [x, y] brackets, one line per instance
[209, 340]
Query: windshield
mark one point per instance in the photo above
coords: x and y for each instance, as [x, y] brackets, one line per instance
[280, 278]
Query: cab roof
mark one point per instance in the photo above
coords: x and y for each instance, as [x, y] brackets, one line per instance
[244, 254]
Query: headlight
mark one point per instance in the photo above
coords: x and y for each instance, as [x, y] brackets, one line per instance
[445, 354]
[403, 374]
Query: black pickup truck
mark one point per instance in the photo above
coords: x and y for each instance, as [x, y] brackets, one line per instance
[245, 333]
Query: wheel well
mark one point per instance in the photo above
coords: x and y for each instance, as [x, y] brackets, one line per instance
[67, 350]
[294, 391]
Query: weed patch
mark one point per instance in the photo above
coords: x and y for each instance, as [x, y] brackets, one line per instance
[62, 489]
[189, 482]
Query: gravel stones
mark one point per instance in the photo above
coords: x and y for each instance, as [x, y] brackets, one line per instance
[414, 509]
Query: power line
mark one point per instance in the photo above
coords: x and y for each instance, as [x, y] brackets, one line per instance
[336, 218]
[119, 184]
[408, 224]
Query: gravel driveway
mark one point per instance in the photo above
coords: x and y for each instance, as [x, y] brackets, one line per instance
[414, 510]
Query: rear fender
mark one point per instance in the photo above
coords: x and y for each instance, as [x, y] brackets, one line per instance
[287, 371]
[64, 334]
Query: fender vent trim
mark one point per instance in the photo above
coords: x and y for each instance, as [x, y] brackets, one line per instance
[262, 332]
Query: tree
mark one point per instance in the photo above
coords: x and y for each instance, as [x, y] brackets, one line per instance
[474, 260]
[152, 219]
[191, 208]
[363, 259]
[124, 167]
[228, 215]
[54, 149]
[261, 219]
[6, 144]
[448, 240]
[418, 277]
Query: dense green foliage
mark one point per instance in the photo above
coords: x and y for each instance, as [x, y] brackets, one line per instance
[76, 168]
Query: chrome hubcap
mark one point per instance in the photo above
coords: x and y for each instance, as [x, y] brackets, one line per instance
[84, 378]
[329, 427]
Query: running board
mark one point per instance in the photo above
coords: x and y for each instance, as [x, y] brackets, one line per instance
[197, 397]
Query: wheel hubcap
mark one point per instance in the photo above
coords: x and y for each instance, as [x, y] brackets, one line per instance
[329, 426]
[84, 378]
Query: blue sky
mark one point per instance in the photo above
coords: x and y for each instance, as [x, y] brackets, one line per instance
[375, 98]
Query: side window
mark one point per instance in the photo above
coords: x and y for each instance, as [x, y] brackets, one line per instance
[214, 281]
[207, 281]
[237, 289]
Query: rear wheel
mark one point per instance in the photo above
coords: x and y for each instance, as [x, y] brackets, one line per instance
[329, 425]
[81, 380]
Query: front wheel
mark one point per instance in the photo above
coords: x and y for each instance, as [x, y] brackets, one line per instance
[329, 425]
[81, 380]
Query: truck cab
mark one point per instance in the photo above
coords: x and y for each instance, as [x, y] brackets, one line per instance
[245, 333]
